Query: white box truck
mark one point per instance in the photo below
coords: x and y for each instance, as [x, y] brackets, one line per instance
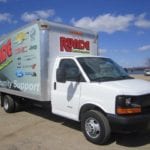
[58, 64]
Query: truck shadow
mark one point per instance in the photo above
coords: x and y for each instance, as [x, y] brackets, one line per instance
[132, 140]
[126, 140]
[46, 113]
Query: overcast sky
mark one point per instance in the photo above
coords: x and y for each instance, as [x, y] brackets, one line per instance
[123, 25]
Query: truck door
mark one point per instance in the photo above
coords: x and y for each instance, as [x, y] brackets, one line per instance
[66, 95]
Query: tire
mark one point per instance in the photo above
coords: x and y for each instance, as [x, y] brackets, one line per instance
[9, 104]
[95, 127]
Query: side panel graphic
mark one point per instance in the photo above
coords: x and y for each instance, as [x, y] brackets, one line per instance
[20, 61]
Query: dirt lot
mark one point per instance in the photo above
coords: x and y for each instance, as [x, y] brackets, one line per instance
[38, 129]
[142, 77]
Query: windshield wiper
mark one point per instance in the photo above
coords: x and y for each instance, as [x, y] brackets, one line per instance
[112, 78]
[104, 79]
[124, 77]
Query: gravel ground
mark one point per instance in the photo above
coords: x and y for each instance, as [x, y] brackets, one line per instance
[38, 129]
[138, 76]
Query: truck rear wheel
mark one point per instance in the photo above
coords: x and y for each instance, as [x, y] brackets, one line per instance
[95, 127]
[9, 104]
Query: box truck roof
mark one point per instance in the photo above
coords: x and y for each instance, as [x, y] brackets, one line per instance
[44, 24]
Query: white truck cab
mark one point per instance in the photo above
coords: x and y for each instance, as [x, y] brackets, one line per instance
[89, 88]
[46, 62]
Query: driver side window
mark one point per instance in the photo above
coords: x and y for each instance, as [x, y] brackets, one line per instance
[70, 67]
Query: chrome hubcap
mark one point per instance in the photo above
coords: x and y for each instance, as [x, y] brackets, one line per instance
[92, 127]
[6, 105]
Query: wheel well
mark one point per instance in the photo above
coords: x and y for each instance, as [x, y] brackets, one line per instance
[2, 100]
[88, 107]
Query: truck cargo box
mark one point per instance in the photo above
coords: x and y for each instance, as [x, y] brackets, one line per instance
[27, 56]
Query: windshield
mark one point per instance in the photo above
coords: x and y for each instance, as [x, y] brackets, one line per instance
[102, 69]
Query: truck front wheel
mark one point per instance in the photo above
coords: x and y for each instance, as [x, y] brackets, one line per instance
[8, 104]
[95, 127]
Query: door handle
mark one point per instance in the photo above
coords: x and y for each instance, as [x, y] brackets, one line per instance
[54, 85]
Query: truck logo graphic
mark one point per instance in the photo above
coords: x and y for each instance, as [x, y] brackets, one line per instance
[33, 47]
[21, 73]
[74, 45]
[20, 38]
[5, 54]
[33, 66]
[21, 50]
[32, 34]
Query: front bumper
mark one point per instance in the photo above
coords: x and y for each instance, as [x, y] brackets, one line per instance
[132, 123]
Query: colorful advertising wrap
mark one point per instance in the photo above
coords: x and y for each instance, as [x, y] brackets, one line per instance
[20, 61]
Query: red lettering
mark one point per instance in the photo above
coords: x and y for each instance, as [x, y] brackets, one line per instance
[81, 44]
[2, 56]
[75, 44]
[5, 51]
[9, 50]
[68, 44]
[76, 32]
[62, 43]
[87, 45]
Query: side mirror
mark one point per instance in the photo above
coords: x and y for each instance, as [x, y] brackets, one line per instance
[61, 75]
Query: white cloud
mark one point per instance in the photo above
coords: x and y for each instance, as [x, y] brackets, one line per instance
[58, 19]
[141, 22]
[3, 1]
[105, 23]
[140, 33]
[45, 13]
[40, 14]
[5, 17]
[27, 17]
[144, 48]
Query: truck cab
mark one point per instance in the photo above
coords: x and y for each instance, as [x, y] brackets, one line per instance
[100, 94]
